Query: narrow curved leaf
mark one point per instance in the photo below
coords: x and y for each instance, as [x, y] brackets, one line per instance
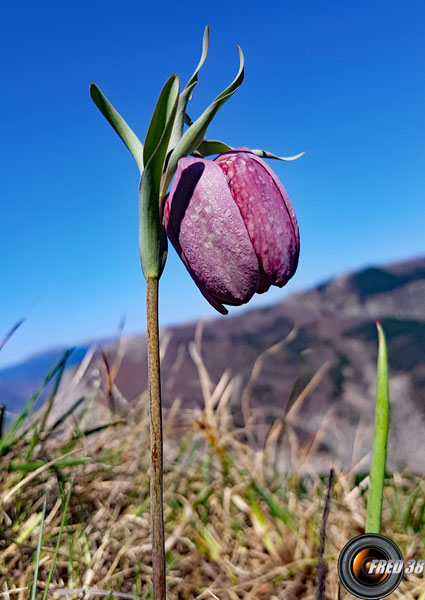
[209, 147]
[265, 154]
[115, 119]
[205, 45]
[180, 116]
[186, 94]
[160, 117]
[152, 238]
[196, 132]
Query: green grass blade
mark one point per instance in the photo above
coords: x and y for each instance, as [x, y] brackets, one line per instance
[49, 405]
[55, 555]
[117, 122]
[379, 455]
[8, 439]
[38, 552]
[407, 515]
[67, 413]
[275, 509]
[52, 397]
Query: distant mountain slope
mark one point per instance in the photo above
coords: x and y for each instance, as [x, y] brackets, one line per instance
[331, 325]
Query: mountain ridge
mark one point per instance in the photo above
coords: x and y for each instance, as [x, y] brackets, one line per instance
[329, 329]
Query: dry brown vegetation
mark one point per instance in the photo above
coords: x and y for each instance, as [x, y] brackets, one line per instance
[235, 527]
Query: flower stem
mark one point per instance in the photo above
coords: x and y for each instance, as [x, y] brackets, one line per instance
[157, 513]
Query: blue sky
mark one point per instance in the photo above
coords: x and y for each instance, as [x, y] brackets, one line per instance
[342, 81]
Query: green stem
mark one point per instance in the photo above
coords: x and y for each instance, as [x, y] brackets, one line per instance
[157, 512]
[379, 455]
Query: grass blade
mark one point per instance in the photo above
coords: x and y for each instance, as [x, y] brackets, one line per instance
[55, 555]
[379, 455]
[49, 406]
[323, 567]
[67, 413]
[38, 552]
[8, 440]
[10, 333]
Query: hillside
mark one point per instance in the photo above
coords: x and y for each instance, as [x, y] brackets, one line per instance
[331, 328]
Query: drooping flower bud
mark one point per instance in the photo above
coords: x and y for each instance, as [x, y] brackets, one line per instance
[233, 225]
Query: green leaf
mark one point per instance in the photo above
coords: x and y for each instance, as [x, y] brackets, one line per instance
[379, 454]
[186, 94]
[209, 147]
[115, 119]
[205, 45]
[265, 154]
[152, 237]
[180, 116]
[160, 117]
[196, 132]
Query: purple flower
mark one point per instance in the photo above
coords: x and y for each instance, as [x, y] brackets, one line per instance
[233, 225]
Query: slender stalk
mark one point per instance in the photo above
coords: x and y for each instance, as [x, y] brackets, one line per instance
[157, 513]
[323, 567]
[379, 455]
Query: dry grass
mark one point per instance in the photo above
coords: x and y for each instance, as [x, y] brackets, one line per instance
[235, 528]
